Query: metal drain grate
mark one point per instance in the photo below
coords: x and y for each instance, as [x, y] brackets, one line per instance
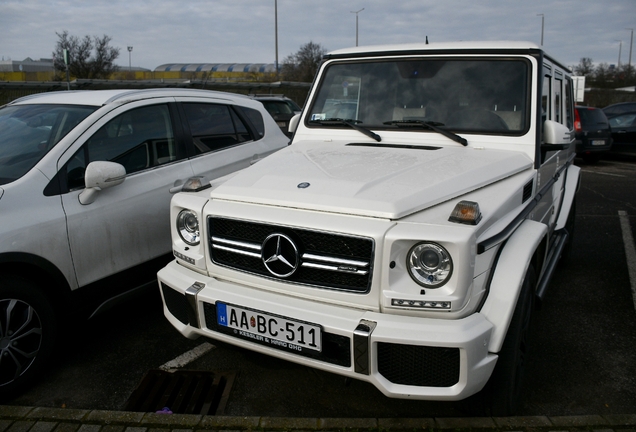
[182, 392]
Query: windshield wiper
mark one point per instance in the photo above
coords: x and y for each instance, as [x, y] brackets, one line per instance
[351, 123]
[429, 125]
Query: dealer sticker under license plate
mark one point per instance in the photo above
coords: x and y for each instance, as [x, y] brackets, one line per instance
[267, 328]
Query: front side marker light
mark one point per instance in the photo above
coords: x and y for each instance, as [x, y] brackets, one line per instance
[466, 212]
[196, 184]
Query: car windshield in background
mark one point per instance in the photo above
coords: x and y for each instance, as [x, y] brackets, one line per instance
[28, 132]
[476, 95]
[276, 107]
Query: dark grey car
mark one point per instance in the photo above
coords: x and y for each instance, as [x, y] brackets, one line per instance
[593, 133]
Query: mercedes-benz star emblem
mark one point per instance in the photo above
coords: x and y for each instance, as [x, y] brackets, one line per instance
[280, 255]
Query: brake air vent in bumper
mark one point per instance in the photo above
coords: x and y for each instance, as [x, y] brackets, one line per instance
[421, 366]
[176, 303]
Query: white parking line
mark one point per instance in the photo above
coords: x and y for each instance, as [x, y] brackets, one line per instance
[188, 357]
[630, 251]
[603, 173]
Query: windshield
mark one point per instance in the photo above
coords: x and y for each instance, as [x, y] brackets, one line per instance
[28, 132]
[477, 95]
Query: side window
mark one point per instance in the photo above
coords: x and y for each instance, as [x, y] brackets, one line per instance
[569, 117]
[255, 117]
[558, 85]
[545, 99]
[214, 127]
[138, 139]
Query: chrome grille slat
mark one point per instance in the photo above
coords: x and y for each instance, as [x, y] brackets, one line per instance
[334, 260]
[333, 268]
[237, 251]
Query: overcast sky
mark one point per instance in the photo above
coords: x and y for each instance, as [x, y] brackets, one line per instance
[243, 31]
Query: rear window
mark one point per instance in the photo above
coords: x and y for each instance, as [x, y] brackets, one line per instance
[592, 117]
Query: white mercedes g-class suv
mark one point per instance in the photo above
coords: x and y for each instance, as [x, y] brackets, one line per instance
[405, 235]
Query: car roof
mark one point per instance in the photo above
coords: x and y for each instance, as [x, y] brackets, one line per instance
[477, 45]
[103, 97]
[463, 47]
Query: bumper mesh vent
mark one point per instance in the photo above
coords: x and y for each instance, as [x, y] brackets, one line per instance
[421, 366]
[176, 303]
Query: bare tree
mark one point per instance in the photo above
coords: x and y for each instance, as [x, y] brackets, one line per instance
[89, 57]
[302, 65]
[585, 67]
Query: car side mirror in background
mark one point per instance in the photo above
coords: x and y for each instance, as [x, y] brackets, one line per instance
[101, 175]
[556, 136]
[293, 123]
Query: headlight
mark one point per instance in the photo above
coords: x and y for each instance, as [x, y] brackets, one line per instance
[188, 227]
[429, 264]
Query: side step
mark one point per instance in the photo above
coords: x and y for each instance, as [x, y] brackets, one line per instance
[560, 240]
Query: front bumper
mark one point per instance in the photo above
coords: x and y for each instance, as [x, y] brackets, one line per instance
[404, 357]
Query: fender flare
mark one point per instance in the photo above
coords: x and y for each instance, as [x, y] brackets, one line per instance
[40, 270]
[572, 184]
[508, 276]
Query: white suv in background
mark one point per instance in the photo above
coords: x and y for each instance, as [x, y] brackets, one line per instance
[86, 179]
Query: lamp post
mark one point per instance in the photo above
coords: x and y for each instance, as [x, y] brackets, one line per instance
[620, 47]
[357, 12]
[276, 34]
[631, 42]
[130, 58]
[542, 26]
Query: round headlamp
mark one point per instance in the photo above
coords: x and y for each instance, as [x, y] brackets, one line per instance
[188, 227]
[429, 264]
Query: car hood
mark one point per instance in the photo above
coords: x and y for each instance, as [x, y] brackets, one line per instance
[369, 180]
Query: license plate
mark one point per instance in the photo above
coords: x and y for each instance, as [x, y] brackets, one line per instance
[269, 329]
[598, 142]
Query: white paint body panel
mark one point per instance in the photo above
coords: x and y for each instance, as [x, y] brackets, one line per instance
[398, 193]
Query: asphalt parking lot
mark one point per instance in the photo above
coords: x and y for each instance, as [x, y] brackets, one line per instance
[584, 339]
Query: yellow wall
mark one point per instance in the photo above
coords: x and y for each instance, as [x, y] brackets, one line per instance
[27, 76]
[149, 75]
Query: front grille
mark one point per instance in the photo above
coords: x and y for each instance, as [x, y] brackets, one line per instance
[421, 366]
[324, 259]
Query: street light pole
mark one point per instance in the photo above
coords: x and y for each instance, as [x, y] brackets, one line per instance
[357, 12]
[631, 42]
[620, 47]
[276, 34]
[130, 58]
[542, 25]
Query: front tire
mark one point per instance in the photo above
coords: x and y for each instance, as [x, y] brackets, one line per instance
[28, 330]
[503, 394]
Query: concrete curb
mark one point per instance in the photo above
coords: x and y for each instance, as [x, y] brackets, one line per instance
[31, 419]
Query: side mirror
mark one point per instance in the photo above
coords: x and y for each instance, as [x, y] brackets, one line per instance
[293, 123]
[556, 136]
[101, 175]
